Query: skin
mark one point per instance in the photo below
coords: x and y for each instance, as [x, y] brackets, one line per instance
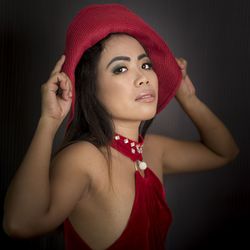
[42, 194]
[120, 83]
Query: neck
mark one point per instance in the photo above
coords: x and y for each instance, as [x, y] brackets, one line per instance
[130, 131]
[130, 148]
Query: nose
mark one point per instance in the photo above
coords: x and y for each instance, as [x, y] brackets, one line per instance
[141, 80]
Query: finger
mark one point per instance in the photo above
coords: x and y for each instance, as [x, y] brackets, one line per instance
[183, 62]
[54, 82]
[58, 84]
[58, 65]
[179, 62]
[69, 85]
[67, 82]
[69, 93]
[65, 90]
[63, 81]
[64, 85]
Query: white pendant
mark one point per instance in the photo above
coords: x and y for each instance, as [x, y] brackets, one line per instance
[142, 165]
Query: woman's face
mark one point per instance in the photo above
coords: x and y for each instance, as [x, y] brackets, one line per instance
[124, 71]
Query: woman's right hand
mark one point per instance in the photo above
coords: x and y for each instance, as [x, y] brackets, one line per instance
[56, 94]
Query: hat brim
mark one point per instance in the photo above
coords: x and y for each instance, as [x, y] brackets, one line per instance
[95, 22]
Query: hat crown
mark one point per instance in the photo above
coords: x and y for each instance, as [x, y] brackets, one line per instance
[94, 22]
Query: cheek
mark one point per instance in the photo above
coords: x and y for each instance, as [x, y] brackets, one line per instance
[113, 95]
[155, 80]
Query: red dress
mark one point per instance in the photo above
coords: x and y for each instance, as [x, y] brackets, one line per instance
[148, 222]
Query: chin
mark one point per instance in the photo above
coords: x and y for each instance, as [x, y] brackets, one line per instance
[147, 117]
[146, 114]
[146, 110]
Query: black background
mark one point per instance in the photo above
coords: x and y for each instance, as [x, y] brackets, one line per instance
[211, 209]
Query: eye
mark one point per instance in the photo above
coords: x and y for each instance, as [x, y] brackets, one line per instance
[119, 69]
[147, 66]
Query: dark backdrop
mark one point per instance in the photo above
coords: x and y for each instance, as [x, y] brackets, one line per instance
[210, 209]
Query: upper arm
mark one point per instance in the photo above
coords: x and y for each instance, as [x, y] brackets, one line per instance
[180, 156]
[70, 181]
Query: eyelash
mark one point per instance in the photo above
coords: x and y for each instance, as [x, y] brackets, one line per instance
[117, 69]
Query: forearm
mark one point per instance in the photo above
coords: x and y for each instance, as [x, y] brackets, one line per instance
[212, 131]
[28, 195]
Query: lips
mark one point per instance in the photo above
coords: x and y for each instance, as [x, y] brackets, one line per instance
[145, 95]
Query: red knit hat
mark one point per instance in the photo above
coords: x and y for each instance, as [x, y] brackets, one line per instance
[94, 22]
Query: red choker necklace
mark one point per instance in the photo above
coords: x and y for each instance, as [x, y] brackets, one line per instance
[130, 148]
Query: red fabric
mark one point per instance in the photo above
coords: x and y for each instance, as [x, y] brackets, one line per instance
[125, 148]
[150, 216]
[148, 223]
[96, 21]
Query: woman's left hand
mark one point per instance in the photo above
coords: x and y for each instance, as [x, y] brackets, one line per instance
[186, 88]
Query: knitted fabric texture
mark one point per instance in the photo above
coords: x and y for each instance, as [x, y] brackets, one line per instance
[94, 22]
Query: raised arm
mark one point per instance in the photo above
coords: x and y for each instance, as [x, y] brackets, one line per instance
[216, 146]
[32, 198]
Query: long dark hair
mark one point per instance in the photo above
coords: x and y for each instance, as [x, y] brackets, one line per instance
[91, 121]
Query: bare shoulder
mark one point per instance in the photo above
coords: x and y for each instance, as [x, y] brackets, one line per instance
[79, 156]
[159, 143]
[152, 138]
[73, 172]
[78, 150]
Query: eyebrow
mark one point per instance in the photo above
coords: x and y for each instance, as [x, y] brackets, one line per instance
[125, 58]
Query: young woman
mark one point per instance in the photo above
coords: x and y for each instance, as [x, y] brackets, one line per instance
[105, 183]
